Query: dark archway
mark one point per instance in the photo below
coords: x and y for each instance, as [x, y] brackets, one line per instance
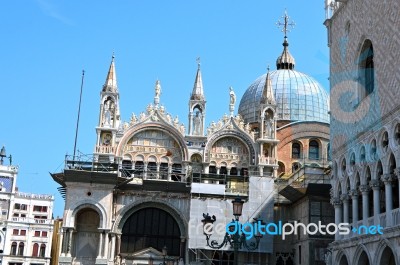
[87, 234]
[363, 259]
[343, 261]
[151, 227]
[387, 257]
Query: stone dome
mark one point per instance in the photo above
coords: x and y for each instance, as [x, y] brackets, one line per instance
[298, 96]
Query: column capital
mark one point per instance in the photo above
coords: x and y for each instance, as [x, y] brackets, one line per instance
[374, 184]
[387, 178]
[364, 189]
[336, 202]
[345, 197]
[397, 172]
[353, 193]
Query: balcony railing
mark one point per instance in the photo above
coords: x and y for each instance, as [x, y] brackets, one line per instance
[32, 220]
[35, 196]
[267, 160]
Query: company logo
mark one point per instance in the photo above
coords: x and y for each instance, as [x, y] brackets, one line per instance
[258, 228]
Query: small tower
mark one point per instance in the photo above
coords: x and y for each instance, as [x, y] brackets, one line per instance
[197, 106]
[109, 118]
[267, 140]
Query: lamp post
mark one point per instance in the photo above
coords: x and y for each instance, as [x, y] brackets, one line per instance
[164, 253]
[237, 240]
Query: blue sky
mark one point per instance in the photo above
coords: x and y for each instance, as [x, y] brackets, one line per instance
[46, 44]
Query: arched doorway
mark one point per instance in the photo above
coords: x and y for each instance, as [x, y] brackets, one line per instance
[87, 234]
[387, 257]
[151, 228]
[363, 259]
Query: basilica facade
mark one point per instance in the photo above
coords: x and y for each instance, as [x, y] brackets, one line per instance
[140, 198]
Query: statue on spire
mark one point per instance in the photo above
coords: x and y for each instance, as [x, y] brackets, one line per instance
[157, 89]
[232, 100]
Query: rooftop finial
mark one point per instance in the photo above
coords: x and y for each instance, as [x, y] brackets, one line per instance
[286, 60]
[198, 62]
[286, 25]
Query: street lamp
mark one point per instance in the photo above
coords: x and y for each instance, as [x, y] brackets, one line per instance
[236, 240]
[164, 253]
[3, 155]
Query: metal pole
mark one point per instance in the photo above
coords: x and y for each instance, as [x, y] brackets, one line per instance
[77, 120]
[236, 245]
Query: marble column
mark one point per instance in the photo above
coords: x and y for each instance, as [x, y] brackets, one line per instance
[345, 199]
[63, 239]
[354, 201]
[112, 254]
[337, 204]
[387, 179]
[118, 244]
[100, 244]
[105, 253]
[169, 171]
[69, 246]
[375, 186]
[365, 204]
[397, 174]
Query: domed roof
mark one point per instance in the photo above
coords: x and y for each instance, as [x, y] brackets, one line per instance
[298, 96]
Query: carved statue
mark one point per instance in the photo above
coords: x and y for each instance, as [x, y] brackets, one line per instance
[232, 96]
[196, 124]
[158, 89]
[142, 116]
[133, 118]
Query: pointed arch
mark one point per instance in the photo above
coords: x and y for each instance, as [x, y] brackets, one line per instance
[384, 254]
[361, 256]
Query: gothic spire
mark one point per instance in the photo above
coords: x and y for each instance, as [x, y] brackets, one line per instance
[267, 94]
[197, 93]
[111, 81]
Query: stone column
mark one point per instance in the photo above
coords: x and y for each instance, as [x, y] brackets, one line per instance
[375, 186]
[63, 238]
[261, 170]
[397, 174]
[387, 179]
[169, 172]
[354, 201]
[345, 199]
[100, 245]
[69, 246]
[337, 204]
[365, 211]
[105, 253]
[145, 170]
[112, 254]
[158, 171]
[118, 244]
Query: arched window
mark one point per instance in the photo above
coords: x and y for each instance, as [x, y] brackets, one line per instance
[313, 152]
[13, 249]
[366, 69]
[42, 250]
[151, 227]
[35, 250]
[296, 150]
[21, 249]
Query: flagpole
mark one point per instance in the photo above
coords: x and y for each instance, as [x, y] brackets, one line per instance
[77, 120]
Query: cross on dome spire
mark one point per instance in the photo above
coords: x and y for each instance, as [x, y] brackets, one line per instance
[286, 60]
[286, 25]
